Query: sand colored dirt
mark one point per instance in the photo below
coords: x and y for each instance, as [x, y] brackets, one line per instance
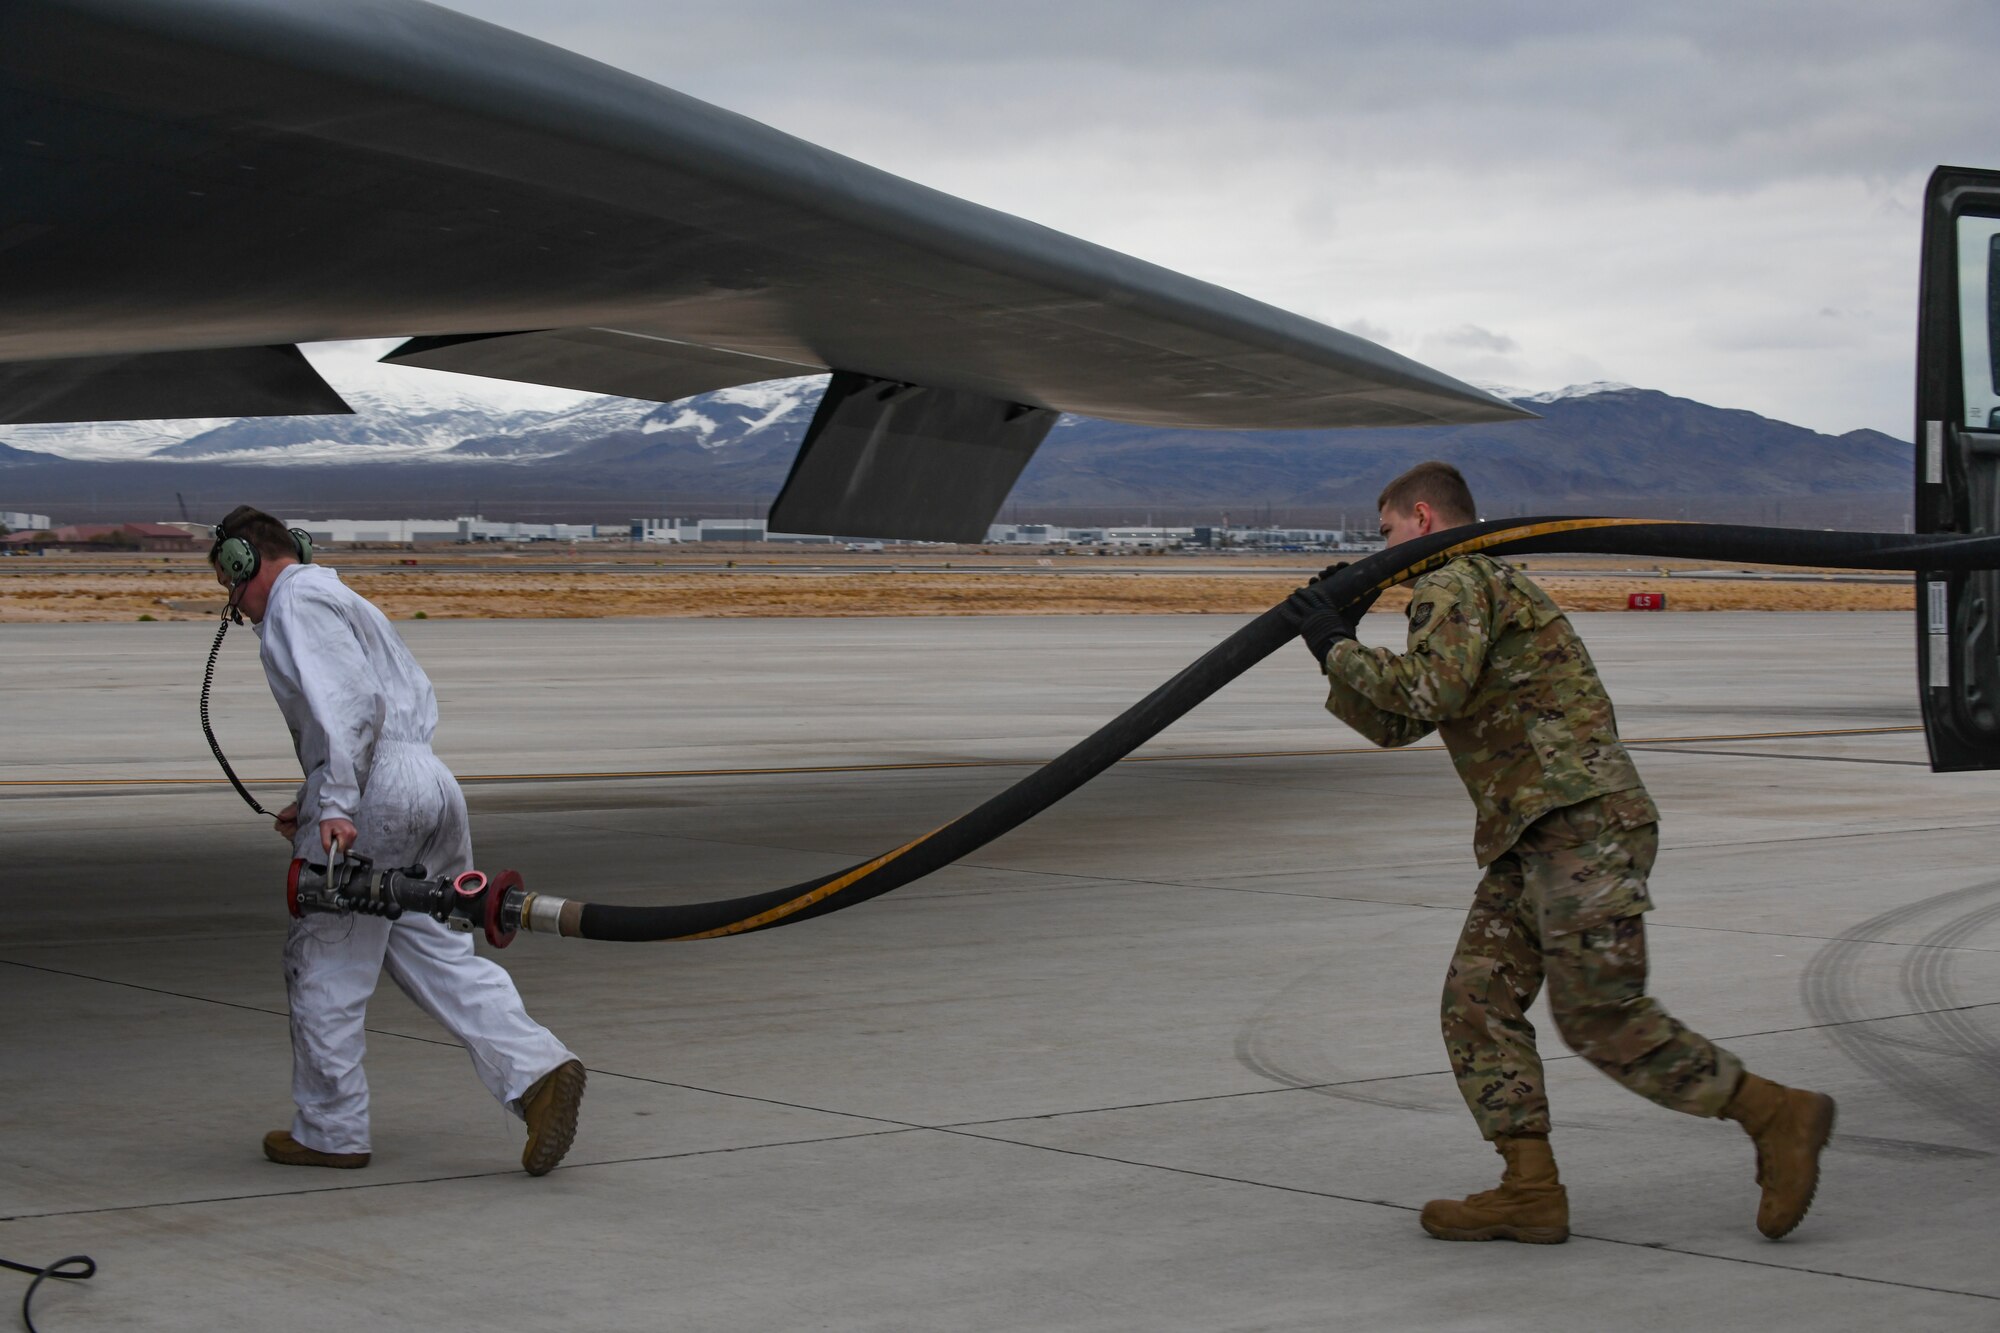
[183, 595]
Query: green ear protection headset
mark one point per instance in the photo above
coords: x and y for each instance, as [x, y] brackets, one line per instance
[239, 561]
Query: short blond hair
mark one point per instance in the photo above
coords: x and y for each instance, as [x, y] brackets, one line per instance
[1435, 483]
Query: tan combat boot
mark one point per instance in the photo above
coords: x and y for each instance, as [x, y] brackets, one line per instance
[1789, 1127]
[282, 1148]
[549, 1106]
[1531, 1205]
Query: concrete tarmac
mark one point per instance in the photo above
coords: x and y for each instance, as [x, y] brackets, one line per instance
[1165, 1058]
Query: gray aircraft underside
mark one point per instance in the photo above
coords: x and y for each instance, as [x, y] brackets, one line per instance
[189, 188]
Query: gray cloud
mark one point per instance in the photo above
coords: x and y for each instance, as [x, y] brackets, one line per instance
[1471, 338]
[1736, 93]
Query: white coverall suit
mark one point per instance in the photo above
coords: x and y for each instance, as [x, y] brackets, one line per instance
[362, 714]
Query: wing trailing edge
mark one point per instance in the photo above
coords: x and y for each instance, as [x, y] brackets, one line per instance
[144, 386]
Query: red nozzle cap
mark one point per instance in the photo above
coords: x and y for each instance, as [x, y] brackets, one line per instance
[496, 894]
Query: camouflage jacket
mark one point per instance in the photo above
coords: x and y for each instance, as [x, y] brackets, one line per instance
[1495, 668]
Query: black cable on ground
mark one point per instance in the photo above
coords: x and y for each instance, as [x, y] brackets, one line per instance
[1224, 663]
[55, 1270]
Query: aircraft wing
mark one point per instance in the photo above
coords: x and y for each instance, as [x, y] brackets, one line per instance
[190, 187]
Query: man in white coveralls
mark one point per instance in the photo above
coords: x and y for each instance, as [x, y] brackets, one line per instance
[361, 713]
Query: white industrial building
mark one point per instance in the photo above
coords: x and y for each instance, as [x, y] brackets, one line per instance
[1317, 539]
[15, 521]
[1155, 538]
[1042, 534]
[438, 531]
[716, 530]
[1148, 539]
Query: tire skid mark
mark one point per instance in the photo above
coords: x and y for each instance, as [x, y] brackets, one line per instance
[1262, 1048]
[1958, 1074]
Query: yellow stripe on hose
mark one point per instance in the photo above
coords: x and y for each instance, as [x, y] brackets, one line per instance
[1495, 538]
[805, 900]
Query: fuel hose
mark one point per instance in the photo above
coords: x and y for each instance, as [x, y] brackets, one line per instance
[1929, 553]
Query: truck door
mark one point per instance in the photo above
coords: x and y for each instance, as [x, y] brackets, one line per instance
[1958, 464]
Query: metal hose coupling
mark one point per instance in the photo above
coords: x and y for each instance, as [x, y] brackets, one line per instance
[546, 914]
[497, 906]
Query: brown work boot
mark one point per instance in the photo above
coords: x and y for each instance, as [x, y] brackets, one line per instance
[1530, 1205]
[282, 1148]
[550, 1105]
[1789, 1127]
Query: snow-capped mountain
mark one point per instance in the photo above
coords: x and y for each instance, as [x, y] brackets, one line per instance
[108, 441]
[1595, 445]
[718, 420]
[444, 426]
[1551, 395]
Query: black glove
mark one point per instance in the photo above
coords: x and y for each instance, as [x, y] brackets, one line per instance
[1321, 622]
[1359, 606]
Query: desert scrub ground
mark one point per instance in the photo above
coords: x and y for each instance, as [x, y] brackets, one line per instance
[184, 594]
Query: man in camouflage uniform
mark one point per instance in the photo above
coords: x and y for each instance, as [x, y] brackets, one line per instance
[1566, 834]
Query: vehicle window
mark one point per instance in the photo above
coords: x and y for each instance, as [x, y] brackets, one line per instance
[1978, 313]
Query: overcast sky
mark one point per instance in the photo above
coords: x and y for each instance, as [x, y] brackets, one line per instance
[1717, 200]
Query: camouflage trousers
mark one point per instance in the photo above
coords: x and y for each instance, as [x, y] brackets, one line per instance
[1565, 904]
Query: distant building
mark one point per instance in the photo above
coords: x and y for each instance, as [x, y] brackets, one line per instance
[661, 530]
[1148, 539]
[152, 537]
[735, 530]
[1208, 537]
[379, 531]
[1030, 534]
[18, 522]
[1297, 539]
[716, 530]
[439, 531]
[485, 530]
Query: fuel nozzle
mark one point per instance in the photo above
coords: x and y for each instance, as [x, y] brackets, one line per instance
[353, 886]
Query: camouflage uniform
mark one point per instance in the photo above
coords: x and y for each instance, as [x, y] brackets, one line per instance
[1566, 833]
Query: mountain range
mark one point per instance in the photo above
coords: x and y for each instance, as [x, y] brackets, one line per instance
[1599, 446]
